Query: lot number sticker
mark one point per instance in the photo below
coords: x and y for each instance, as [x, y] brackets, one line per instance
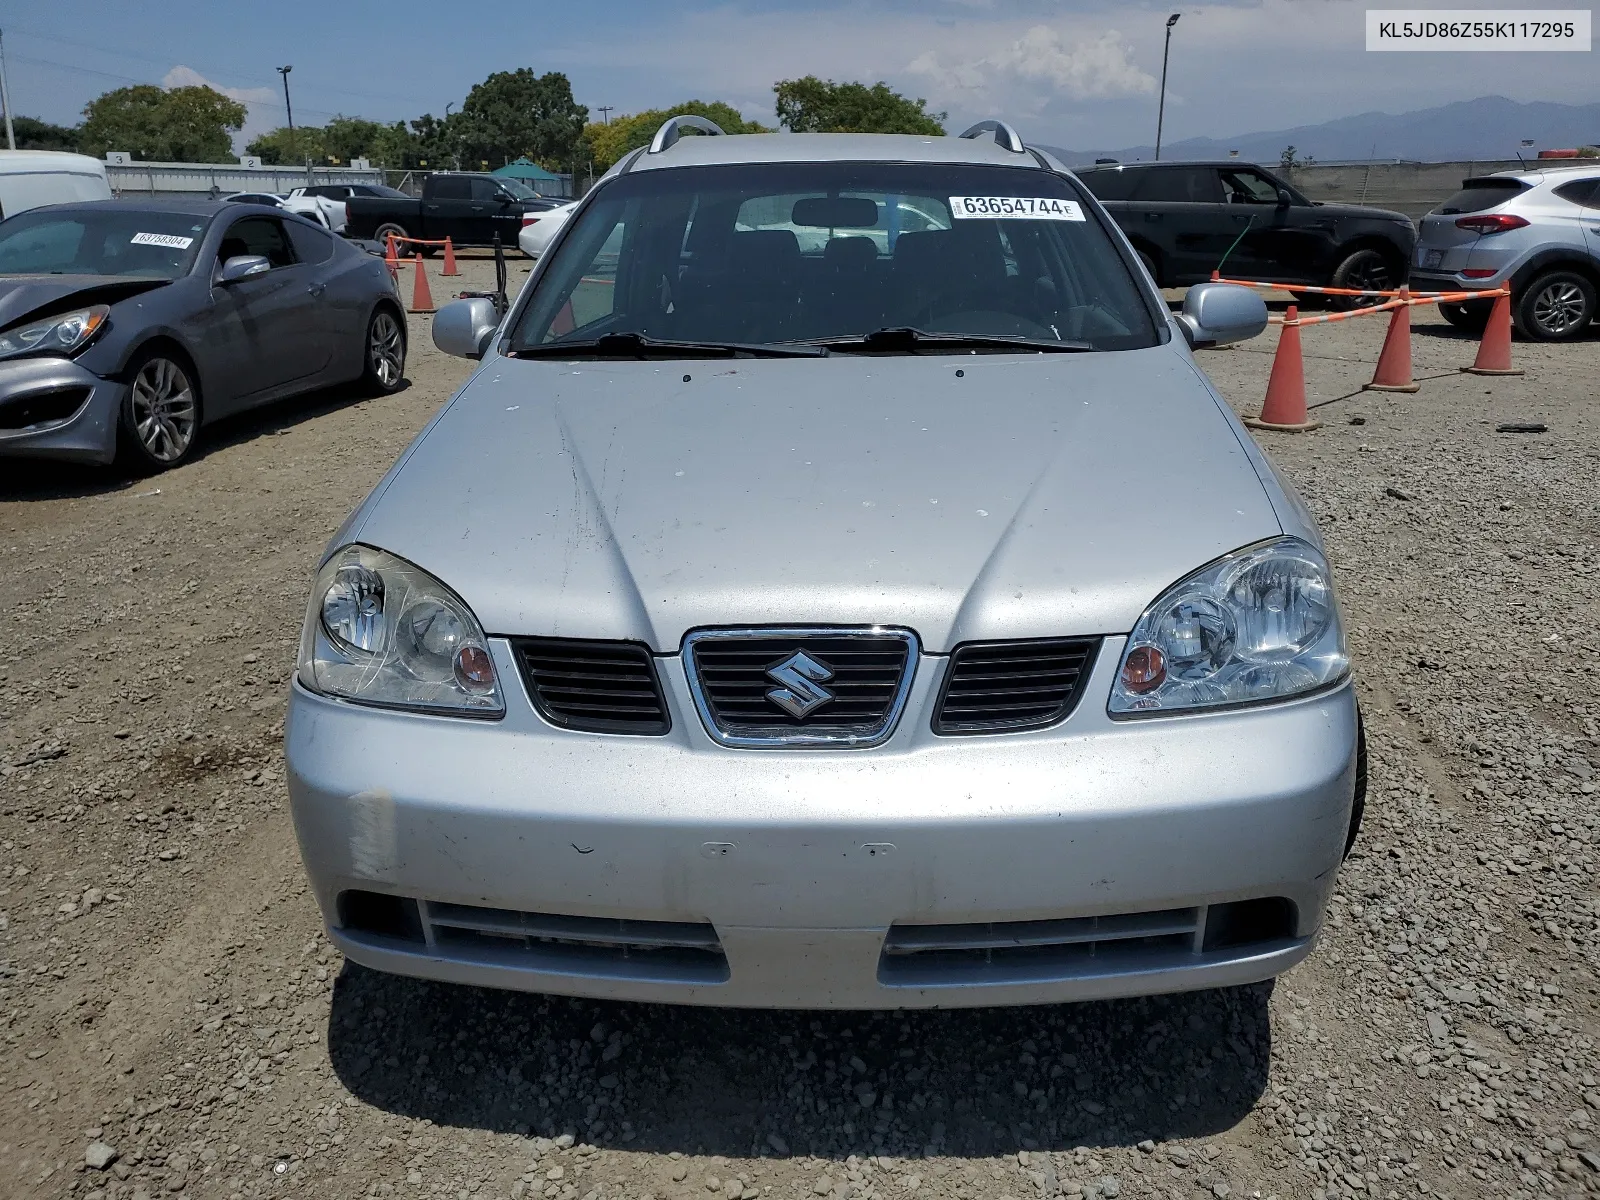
[170, 240]
[1028, 208]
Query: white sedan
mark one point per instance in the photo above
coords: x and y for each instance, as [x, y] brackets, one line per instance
[538, 228]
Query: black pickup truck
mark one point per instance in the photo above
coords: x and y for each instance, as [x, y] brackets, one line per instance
[1185, 218]
[468, 209]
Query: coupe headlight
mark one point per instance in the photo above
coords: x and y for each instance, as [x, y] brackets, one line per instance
[64, 334]
[381, 631]
[1260, 624]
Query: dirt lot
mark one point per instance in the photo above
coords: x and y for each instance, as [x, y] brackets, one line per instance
[174, 1022]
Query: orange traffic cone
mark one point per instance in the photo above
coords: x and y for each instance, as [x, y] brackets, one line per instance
[421, 297]
[449, 259]
[1285, 406]
[1494, 352]
[1394, 362]
[390, 258]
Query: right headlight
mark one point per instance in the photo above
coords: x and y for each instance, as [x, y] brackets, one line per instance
[381, 631]
[63, 334]
[1257, 625]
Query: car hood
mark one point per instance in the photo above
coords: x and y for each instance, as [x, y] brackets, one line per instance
[967, 497]
[23, 296]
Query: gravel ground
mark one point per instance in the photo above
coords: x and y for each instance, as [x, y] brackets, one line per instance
[172, 1021]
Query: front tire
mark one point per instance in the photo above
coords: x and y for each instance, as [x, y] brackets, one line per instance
[384, 353]
[159, 425]
[1358, 807]
[1365, 268]
[1556, 307]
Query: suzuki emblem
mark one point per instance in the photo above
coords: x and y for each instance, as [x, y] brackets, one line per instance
[799, 677]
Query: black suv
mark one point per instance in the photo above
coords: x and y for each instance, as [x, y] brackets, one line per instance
[1184, 219]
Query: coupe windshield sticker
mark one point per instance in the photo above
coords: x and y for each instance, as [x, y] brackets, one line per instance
[1028, 208]
[171, 240]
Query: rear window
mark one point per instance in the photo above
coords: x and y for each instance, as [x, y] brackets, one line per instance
[1478, 195]
[450, 187]
[775, 253]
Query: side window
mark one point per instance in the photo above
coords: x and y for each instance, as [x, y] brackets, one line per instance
[1113, 184]
[311, 245]
[1179, 185]
[451, 187]
[1581, 191]
[485, 190]
[1248, 187]
[257, 235]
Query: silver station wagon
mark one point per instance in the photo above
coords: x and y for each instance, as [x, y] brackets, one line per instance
[838, 586]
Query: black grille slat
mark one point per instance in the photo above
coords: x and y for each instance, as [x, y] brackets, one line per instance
[870, 670]
[596, 687]
[1003, 687]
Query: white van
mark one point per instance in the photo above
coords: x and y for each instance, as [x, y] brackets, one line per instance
[33, 178]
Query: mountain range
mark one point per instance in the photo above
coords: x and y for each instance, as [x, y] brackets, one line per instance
[1488, 128]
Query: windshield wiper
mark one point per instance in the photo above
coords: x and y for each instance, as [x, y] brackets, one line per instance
[906, 340]
[635, 345]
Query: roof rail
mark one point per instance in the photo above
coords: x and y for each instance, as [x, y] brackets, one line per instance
[1004, 135]
[672, 129]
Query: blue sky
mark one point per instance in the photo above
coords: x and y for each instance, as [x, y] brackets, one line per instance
[1072, 73]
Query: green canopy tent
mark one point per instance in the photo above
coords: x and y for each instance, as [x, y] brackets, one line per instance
[546, 183]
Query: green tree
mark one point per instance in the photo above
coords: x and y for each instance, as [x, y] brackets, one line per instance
[288, 147]
[34, 134]
[513, 113]
[609, 142]
[344, 138]
[812, 105]
[184, 124]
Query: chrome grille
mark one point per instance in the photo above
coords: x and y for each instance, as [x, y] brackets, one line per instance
[753, 687]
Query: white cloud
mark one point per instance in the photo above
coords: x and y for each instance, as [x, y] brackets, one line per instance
[263, 105]
[1069, 65]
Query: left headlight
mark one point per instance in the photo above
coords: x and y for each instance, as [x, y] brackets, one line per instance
[1258, 625]
[381, 631]
[64, 334]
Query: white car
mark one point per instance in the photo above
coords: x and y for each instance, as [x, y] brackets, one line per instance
[309, 211]
[34, 178]
[539, 227]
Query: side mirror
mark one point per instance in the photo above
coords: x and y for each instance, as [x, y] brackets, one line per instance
[1285, 197]
[463, 327]
[243, 266]
[1216, 314]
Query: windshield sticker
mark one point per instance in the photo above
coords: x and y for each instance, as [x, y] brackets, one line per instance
[1028, 208]
[171, 240]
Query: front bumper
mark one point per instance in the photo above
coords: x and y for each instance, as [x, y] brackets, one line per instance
[803, 868]
[54, 408]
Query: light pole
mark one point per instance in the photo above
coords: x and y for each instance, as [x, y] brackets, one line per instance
[605, 112]
[1161, 111]
[289, 109]
[5, 99]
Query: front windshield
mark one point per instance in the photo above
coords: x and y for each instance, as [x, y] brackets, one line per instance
[519, 189]
[774, 253]
[100, 241]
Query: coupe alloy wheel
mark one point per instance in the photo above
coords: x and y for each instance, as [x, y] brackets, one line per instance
[386, 349]
[164, 409]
